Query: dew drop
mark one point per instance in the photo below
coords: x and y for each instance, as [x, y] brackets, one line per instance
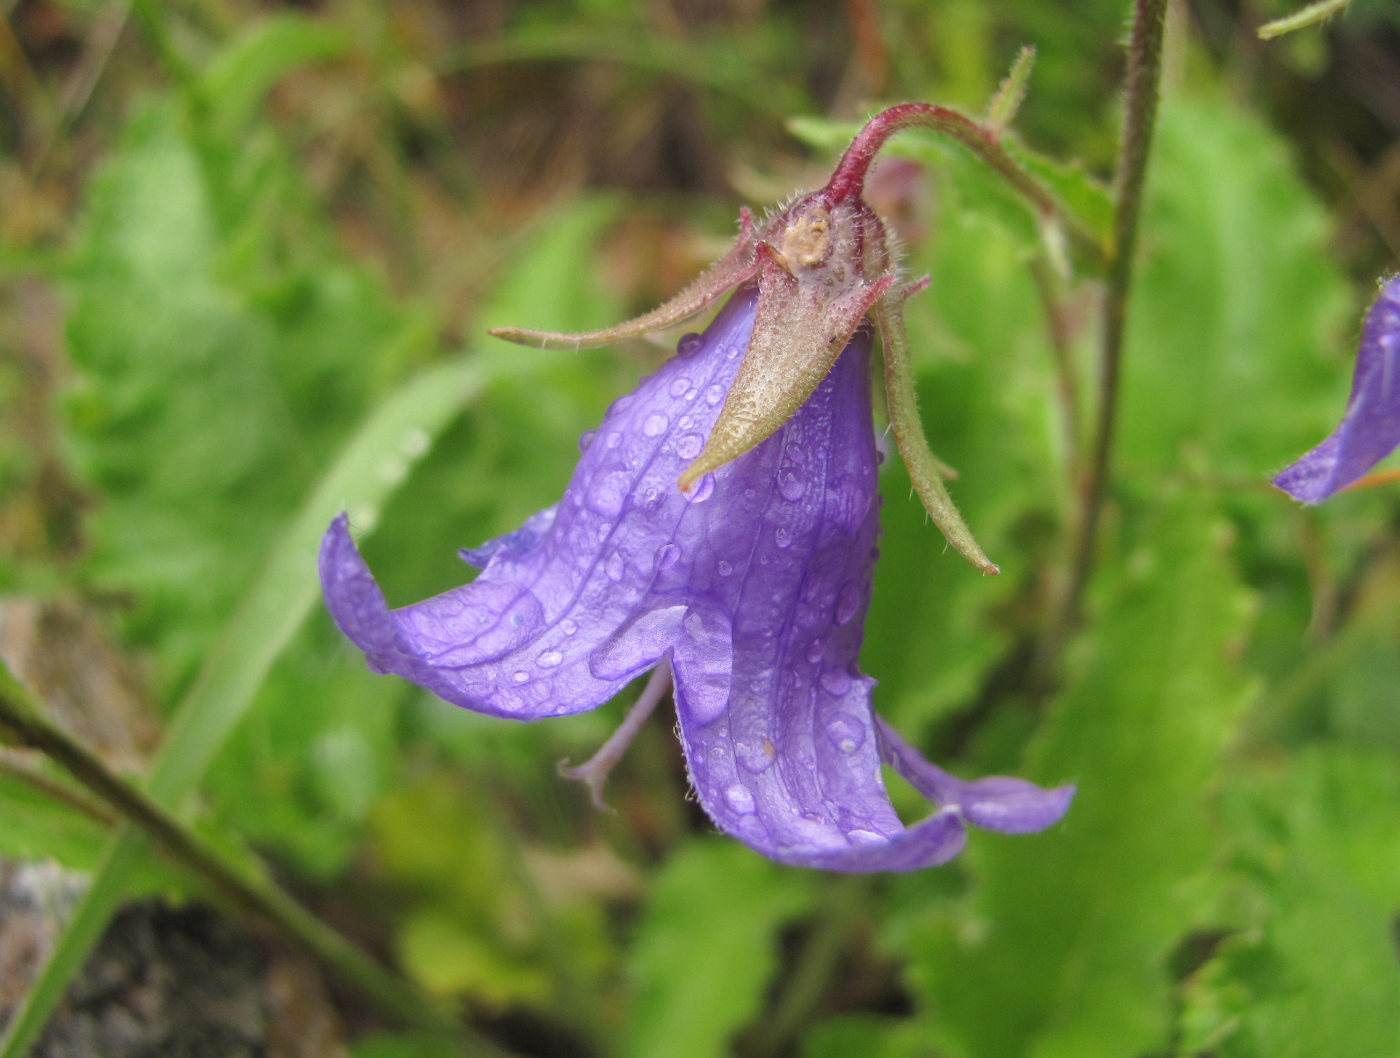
[816, 649]
[846, 732]
[714, 394]
[585, 439]
[864, 837]
[848, 602]
[651, 498]
[791, 486]
[782, 536]
[568, 626]
[739, 798]
[836, 681]
[414, 443]
[667, 555]
[724, 568]
[520, 676]
[615, 566]
[689, 446]
[701, 490]
[680, 385]
[755, 755]
[607, 492]
[655, 424]
[620, 405]
[549, 659]
[689, 345]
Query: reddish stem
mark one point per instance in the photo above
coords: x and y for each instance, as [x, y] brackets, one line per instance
[848, 181]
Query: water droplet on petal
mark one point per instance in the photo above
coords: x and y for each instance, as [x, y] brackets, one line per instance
[848, 602]
[724, 568]
[689, 446]
[739, 798]
[520, 676]
[755, 755]
[620, 405]
[689, 345]
[846, 732]
[836, 681]
[790, 485]
[549, 659]
[714, 394]
[782, 536]
[607, 492]
[568, 626]
[816, 649]
[585, 439]
[655, 424]
[615, 566]
[865, 837]
[651, 498]
[667, 555]
[701, 490]
[680, 385]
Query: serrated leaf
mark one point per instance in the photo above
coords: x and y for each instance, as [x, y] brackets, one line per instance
[1063, 948]
[1312, 967]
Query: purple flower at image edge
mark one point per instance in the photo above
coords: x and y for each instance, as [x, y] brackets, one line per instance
[1370, 428]
[720, 529]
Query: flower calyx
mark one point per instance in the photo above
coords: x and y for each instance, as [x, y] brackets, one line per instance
[824, 267]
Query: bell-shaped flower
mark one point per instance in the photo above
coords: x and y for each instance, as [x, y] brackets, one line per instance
[1370, 428]
[720, 529]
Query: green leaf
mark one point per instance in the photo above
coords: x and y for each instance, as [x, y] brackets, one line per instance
[239, 77]
[1063, 946]
[1237, 350]
[210, 391]
[694, 985]
[278, 600]
[1310, 968]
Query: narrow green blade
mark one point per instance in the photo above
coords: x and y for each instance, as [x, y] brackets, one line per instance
[399, 432]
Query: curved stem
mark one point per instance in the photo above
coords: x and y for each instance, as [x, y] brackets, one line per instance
[23, 724]
[849, 177]
[593, 772]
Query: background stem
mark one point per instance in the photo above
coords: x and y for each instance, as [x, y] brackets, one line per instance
[1143, 77]
[23, 724]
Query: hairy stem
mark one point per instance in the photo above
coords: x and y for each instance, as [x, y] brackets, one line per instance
[23, 724]
[984, 142]
[1143, 76]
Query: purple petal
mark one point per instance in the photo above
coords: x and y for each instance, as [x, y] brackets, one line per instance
[1370, 429]
[997, 802]
[789, 763]
[587, 594]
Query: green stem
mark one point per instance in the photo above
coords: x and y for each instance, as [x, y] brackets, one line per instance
[22, 723]
[1141, 89]
[1309, 15]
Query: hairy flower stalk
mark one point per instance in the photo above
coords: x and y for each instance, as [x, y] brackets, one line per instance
[722, 520]
[1370, 428]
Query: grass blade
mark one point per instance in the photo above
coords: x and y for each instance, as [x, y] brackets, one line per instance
[402, 429]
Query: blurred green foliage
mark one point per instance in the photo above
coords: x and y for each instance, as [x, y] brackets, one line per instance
[276, 218]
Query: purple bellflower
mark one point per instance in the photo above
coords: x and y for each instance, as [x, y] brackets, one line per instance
[720, 529]
[1370, 428]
